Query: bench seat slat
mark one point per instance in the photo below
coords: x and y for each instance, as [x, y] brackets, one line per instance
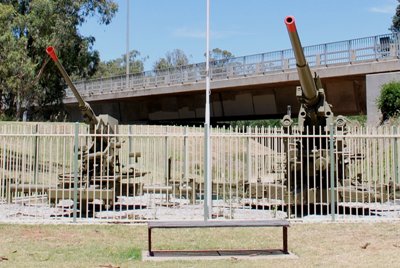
[214, 224]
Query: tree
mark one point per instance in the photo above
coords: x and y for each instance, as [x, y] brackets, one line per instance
[27, 82]
[219, 54]
[118, 66]
[173, 59]
[162, 64]
[389, 100]
[396, 20]
[220, 58]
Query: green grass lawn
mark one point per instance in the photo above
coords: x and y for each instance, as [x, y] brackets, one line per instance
[322, 244]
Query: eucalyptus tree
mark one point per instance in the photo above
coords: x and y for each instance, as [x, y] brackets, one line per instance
[396, 20]
[118, 66]
[220, 54]
[172, 59]
[27, 82]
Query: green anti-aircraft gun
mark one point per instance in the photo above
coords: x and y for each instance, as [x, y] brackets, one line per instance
[309, 151]
[308, 158]
[100, 173]
[102, 124]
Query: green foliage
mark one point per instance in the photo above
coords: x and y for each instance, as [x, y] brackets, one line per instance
[173, 59]
[4, 117]
[256, 123]
[389, 100]
[219, 54]
[118, 66]
[162, 64]
[28, 82]
[396, 20]
[360, 119]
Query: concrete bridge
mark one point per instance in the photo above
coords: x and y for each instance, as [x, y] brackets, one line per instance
[250, 87]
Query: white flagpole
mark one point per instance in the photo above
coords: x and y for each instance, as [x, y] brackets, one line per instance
[207, 173]
[127, 44]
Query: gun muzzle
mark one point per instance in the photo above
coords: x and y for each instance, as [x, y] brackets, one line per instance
[290, 24]
[52, 53]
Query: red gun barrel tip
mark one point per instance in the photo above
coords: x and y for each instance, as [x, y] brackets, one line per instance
[52, 53]
[290, 23]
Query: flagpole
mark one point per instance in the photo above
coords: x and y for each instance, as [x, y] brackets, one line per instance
[207, 173]
[127, 44]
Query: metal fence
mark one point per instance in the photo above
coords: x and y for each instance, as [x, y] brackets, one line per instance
[53, 173]
[373, 48]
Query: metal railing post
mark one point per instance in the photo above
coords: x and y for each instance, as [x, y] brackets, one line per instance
[130, 143]
[349, 52]
[395, 157]
[185, 154]
[166, 162]
[332, 173]
[76, 143]
[248, 140]
[35, 148]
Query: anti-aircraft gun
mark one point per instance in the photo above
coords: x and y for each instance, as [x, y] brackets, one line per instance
[100, 166]
[308, 163]
[309, 151]
[102, 124]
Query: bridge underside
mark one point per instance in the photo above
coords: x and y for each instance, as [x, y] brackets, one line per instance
[347, 95]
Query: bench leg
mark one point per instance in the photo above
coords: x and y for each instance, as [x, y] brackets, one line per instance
[149, 240]
[285, 240]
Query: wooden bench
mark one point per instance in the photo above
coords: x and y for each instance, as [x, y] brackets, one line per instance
[218, 224]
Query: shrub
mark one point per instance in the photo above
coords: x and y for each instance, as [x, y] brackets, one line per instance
[389, 100]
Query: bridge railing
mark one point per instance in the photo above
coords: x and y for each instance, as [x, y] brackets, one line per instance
[373, 48]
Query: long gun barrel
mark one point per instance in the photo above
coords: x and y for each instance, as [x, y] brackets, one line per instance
[307, 82]
[87, 112]
[314, 109]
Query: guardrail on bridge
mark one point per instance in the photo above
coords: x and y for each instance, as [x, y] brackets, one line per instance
[373, 48]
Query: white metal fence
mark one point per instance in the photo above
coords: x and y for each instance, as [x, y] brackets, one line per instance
[59, 172]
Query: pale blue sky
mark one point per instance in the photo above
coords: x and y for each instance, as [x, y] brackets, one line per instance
[243, 27]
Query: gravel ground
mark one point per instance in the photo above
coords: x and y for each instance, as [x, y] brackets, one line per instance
[156, 207]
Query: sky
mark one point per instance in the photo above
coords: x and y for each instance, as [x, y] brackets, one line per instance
[243, 27]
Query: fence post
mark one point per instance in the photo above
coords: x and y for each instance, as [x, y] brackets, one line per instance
[166, 160]
[185, 154]
[332, 173]
[35, 147]
[76, 143]
[130, 143]
[248, 153]
[395, 157]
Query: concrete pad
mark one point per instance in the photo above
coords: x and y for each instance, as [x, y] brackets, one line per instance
[216, 255]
